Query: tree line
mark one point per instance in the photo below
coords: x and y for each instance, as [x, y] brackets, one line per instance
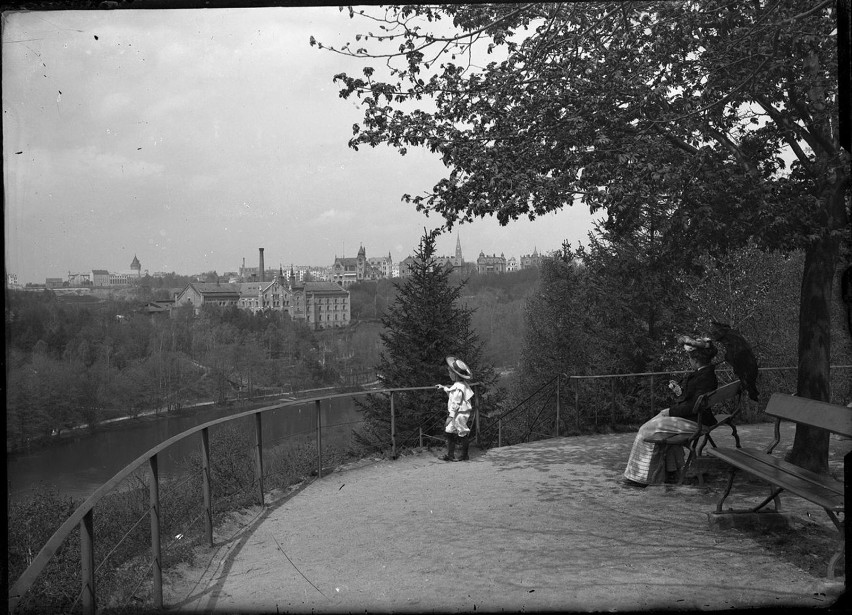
[70, 364]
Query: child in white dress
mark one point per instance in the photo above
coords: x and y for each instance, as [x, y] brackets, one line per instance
[458, 408]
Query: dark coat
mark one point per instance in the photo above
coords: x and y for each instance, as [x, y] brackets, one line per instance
[703, 380]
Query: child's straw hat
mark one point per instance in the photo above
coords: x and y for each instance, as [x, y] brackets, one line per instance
[459, 368]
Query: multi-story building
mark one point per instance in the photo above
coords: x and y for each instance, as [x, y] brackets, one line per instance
[531, 260]
[53, 282]
[490, 264]
[348, 271]
[79, 279]
[382, 264]
[512, 264]
[321, 305]
[100, 277]
[249, 295]
[197, 294]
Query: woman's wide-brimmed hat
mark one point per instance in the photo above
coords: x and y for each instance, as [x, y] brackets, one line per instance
[701, 347]
[459, 368]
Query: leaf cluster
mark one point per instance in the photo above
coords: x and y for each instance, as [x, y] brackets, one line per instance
[690, 106]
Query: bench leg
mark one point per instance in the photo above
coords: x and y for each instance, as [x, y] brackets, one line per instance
[735, 434]
[727, 489]
[832, 563]
[701, 446]
[685, 467]
[773, 495]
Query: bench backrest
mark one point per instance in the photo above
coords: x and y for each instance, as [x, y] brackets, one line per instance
[722, 394]
[834, 418]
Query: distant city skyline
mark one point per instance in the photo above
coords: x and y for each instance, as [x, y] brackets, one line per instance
[253, 261]
[191, 137]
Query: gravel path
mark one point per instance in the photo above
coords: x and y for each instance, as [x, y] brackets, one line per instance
[541, 526]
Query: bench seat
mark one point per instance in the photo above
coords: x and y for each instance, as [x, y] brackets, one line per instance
[781, 475]
[819, 489]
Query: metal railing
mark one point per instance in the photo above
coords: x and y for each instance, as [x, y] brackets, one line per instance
[83, 516]
[584, 403]
[539, 415]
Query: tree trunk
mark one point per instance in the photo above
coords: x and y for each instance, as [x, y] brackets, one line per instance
[810, 445]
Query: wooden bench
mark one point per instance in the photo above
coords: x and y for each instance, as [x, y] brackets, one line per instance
[781, 475]
[697, 440]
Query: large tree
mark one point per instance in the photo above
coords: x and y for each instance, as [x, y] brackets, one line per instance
[696, 107]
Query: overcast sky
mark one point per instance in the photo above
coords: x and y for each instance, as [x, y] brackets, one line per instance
[190, 138]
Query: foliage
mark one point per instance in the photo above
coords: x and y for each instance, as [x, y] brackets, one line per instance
[121, 528]
[71, 365]
[422, 327]
[685, 109]
[698, 103]
[556, 337]
[30, 524]
[370, 299]
[577, 324]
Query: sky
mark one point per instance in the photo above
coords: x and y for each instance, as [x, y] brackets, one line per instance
[191, 138]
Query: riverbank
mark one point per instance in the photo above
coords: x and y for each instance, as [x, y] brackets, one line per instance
[80, 461]
[239, 404]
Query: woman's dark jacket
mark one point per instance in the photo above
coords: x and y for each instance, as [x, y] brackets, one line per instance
[703, 380]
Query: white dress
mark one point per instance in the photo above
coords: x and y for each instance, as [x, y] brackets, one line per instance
[647, 464]
[458, 407]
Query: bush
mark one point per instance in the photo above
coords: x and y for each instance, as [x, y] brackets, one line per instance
[122, 527]
[31, 523]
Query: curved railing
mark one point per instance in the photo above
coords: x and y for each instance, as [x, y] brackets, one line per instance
[536, 424]
[582, 403]
[83, 516]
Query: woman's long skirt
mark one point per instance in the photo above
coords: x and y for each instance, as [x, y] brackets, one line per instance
[648, 462]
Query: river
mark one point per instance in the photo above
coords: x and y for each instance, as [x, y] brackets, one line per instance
[80, 463]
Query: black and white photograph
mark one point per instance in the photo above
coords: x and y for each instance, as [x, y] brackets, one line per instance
[485, 307]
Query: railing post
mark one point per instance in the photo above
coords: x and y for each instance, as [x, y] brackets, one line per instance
[420, 429]
[258, 438]
[652, 396]
[558, 382]
[577, 402]
[612, 399]
[319, 440]
[597, 405]
[205, 484]
[499, 433]
[87, 562]
[476, 417]
[156, 554]
[393, 428]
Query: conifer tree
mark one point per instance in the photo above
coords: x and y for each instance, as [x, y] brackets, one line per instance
[425, 324]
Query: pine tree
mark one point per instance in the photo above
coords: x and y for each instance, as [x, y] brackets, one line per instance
[424, 325]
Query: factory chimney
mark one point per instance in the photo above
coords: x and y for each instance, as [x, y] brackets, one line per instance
[262, 271]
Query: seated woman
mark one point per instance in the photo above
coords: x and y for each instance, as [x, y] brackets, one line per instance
[648, 464]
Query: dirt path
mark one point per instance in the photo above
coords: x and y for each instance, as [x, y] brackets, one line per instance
[542, 526]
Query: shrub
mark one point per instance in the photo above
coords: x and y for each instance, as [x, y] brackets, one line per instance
[32, 521]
